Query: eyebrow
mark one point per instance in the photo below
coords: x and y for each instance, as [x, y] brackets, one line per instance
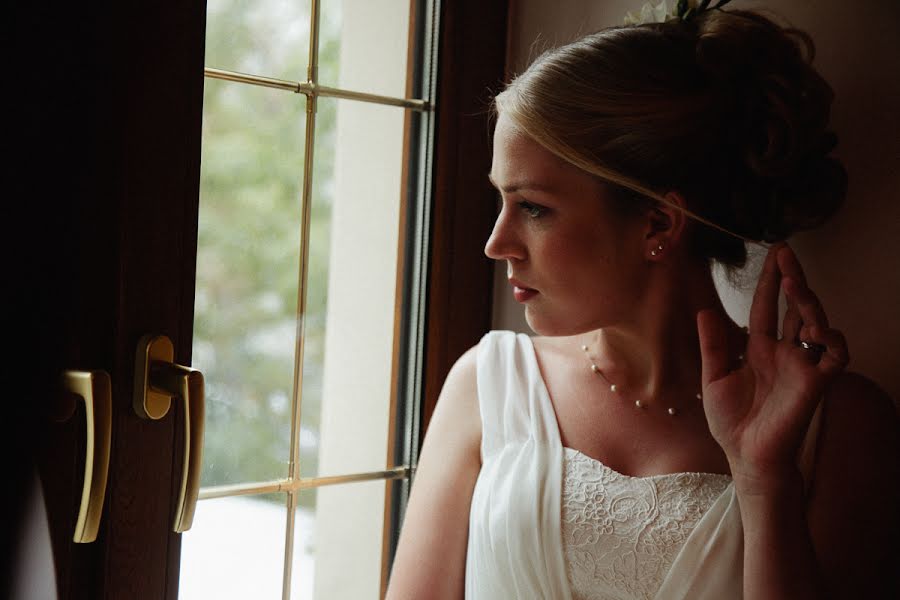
[521, 185]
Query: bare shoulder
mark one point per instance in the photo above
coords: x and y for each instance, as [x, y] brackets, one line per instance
[856, 385]
[855, 487]
[457, 406]
[431, 552]
[857, 408]
[860, 432]
[463, 375]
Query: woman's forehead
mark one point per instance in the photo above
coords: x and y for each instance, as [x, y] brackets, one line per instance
[519, 162]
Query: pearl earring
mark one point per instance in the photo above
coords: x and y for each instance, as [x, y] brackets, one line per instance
[657, 251]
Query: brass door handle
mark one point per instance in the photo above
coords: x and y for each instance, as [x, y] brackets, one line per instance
[157, 380]
[95, 389]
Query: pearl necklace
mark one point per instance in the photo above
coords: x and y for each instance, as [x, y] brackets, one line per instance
[638, 403]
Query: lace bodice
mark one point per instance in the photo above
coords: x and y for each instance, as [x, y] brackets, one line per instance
[620, 533]
[549, 523]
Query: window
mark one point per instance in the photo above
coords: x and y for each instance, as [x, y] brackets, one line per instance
[311, 270]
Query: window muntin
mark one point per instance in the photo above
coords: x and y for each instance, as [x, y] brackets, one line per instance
[352, 180]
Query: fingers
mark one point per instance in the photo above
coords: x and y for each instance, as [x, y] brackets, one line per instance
[836, 356]
[713, 346]
[764, 309]
[808, 307]
[814, 328]
[793, 319]
[790, 328]
[789, 264]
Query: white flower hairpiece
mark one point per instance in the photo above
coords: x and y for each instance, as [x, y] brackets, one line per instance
[649, 14]
[683, 9]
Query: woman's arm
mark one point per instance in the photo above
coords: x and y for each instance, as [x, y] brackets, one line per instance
[779, 556]
[854, 503]
[760, 412]
[840, 541]
[431, 554]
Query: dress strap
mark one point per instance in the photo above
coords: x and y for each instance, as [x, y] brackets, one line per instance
[512, 398]
[496, 382]
[515, 538]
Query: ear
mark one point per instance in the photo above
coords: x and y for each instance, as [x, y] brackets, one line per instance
[665, 226]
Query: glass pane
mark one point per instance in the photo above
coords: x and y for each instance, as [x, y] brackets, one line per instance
[263, 37]
[371, 39]
[352, 289]
[338, 531]
[247, 277]
[235, 549]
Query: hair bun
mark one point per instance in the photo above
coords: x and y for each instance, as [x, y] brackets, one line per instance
[724, 108]
[777, 108]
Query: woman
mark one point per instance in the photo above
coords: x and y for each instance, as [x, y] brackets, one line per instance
[645, 445]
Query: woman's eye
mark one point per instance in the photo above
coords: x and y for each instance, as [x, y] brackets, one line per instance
[532, 210]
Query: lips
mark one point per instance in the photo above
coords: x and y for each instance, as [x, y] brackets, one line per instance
[521, 285]
[521, 292]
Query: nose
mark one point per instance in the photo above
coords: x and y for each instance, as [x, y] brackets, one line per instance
[504, 242]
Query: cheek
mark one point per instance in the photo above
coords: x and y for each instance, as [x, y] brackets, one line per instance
[585, 257]
[595, 270]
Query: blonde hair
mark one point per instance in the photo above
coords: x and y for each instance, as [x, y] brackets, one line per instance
[724, 108]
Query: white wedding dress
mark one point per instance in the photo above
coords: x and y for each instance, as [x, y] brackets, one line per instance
[548, 522]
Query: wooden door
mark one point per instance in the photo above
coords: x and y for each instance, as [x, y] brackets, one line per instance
[123, 83]
[116, 156]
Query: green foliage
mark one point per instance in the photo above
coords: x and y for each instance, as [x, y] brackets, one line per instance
[248, 259]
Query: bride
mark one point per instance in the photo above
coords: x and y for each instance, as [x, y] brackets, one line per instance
[645, 445]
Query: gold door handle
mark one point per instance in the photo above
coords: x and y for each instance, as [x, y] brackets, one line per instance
[95, 389]
[157, 380]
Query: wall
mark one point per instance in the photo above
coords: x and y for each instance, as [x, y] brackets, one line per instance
[851, 262]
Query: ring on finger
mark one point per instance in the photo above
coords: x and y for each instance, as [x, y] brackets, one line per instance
[812, 347]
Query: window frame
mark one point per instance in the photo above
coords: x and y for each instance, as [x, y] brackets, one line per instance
[456, 199]
[470, 66]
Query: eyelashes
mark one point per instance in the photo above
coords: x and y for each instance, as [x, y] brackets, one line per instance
[533, 211]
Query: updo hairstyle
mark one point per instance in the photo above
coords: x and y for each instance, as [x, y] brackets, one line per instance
[724, 108]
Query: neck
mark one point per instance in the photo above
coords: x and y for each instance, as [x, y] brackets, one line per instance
[656, 354]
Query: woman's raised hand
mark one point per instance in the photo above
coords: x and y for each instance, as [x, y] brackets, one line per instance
[760, 412]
